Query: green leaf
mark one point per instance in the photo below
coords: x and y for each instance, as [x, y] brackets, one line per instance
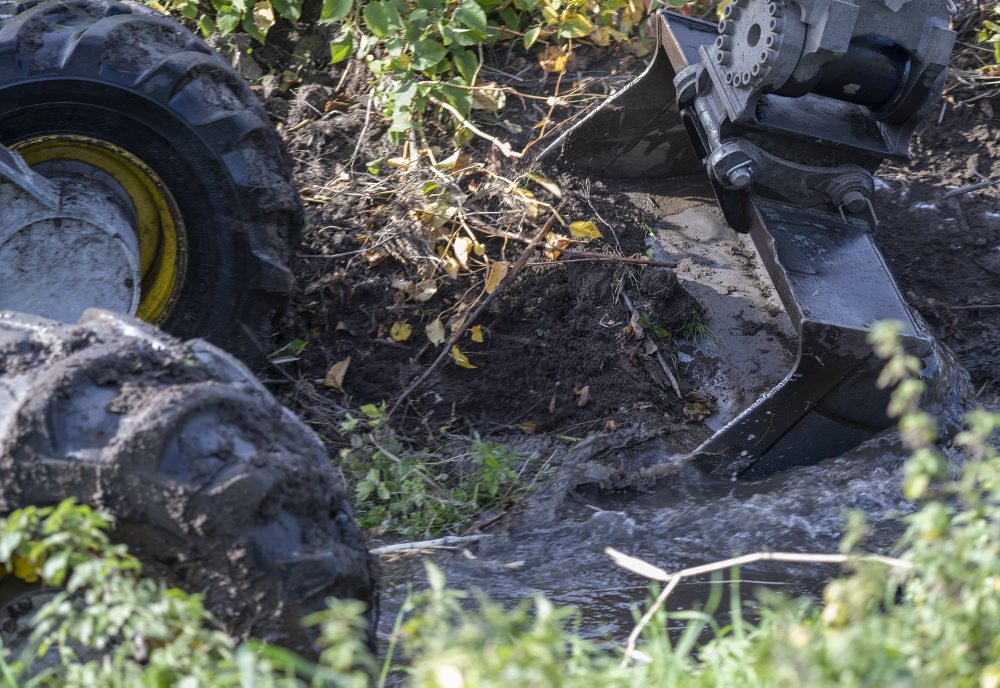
[288, 9]
[227, 22]
[342, 47]
[382, 18]
[466, 63]
[427, 53]
[575, 26]
[530, 36]
[335, 10]
[471, 15]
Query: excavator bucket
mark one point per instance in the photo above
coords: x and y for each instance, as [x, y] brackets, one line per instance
[792, 295]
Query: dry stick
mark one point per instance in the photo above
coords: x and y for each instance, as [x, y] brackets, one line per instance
[659, 357]
[588, 255]
[502, 145]
[447, 541]
[648, 570]
[457, 334]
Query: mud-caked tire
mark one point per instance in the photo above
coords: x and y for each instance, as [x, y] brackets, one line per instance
[117, 86]
[215, 486]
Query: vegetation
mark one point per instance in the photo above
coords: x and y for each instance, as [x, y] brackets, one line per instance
[930, 616]
[414, 492]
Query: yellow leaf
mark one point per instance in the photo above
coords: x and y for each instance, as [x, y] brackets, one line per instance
[546, 184]
[460, 359]
[461, 246]
[435, 332]
[495, 274]
[263, 16]
[477, 333]
[554, 59]
[585, 230]
[335, 375]
[488, 97]
[24, 569]
[528, 427]
[400, 331]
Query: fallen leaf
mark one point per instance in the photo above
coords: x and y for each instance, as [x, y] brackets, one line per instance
[263, 16]
[556, 242]
[452, 267]
[461, 246]
[477, 333]
[435, 332]
[582, 395]
[585, 229]
[460, 359]
[400, 331]
[528, 427]
[546, 184]
[424, 291]
[696, 411]
[495, 274]
[531, 205]
[335, 375]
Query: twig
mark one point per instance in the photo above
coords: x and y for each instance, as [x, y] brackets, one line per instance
[469, 321]
[972, 187]
[659, 357]
[447, 541]
[502, 145]
[671, 579]
[976, 307]
[588, 255]
[361, 137]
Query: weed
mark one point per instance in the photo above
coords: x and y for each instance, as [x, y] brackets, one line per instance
[414, 492]
[695, 329]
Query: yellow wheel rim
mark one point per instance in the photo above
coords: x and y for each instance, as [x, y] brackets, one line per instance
[162, 237]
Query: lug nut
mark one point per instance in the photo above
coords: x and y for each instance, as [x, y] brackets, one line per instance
[727, 27]
[732, 12]
[776, 25]
[774, 9]
[723, 42]
[722, 57]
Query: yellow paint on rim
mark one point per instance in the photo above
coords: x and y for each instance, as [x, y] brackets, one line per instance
[162, 237]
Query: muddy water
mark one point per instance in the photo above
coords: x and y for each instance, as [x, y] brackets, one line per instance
[688, 519]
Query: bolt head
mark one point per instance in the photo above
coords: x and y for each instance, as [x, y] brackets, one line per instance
[854, 201]
[740, 177]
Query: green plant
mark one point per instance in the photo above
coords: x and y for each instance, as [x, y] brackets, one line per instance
[106, 625]
[399, 489]
[990, 33]
[695, 328]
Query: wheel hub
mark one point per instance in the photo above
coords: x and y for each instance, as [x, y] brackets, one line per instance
[86, 224]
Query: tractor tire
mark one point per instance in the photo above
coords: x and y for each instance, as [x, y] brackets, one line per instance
[213, 485]
[118, 87]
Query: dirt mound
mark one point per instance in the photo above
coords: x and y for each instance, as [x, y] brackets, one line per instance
[943, 244]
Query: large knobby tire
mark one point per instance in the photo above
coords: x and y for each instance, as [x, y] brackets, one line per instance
[215, 486]
[122, 88]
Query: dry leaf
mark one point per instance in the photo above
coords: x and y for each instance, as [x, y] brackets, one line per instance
[435, 332]
[460, 359]
[546, 184]
[495, 274]
[528, 427]
[696, 411]
[424, 291]
[554, 59]
[585, 229]
[582, 395]
[488, 97]
[451, 267]
[335, 375]
[557, 242]
[531, 205]
[263, 16]
[643, 568]
[477, 333]
[400, 331]
[461, 246]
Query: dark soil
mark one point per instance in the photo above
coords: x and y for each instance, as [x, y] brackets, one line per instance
[557, 357]
[945, 251]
